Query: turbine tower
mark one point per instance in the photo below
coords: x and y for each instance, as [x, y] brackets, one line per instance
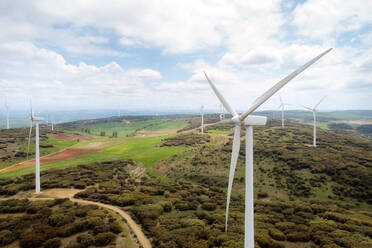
[36, 120]
[282, 105]
[222, 114]
[249, 121]
[52, 123]
[7, 114]
[314, 117]
[202, 118]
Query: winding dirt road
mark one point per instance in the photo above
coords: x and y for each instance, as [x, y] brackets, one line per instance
[69, 193]
[136, 229]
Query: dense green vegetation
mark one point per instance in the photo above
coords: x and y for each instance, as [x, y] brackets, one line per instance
[187, 214]
[55, 223]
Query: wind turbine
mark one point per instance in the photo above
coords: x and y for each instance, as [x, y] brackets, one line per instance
[202, 118]
[314, 116]
[222, 114]
[249, 121]
[36, 120]
[282, 105]
[52, 123]
[7, 114]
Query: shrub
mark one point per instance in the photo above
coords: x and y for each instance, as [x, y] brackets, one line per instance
[85, 239]
[152, 211]
[104, 238]
[32, 240]
[167, 205]
[192, 223]
[53, 243]
[298, 237]
[115, 227]
[264, 241]
[57, 220]
[6, 237]
[262, 195]
[210, 206]
[276, 234]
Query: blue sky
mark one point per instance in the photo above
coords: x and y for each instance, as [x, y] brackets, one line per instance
[151, 54]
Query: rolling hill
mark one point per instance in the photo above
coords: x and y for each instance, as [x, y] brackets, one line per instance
[304, 196]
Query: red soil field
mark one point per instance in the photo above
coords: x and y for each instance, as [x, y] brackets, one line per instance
[64, 154]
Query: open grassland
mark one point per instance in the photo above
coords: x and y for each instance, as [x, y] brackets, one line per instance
[14, 148]
[142, 150]
[127, 128]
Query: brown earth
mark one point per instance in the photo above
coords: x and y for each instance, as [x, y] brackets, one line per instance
[64, 154]
[69, 136]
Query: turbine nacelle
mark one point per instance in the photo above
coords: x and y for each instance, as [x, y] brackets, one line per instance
[37, 119]
[255, 120]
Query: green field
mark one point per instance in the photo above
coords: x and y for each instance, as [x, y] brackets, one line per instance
[57, 145]
[142, 150]
[130, 129]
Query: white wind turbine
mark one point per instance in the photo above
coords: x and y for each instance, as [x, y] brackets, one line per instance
[249, 121]
[7, 114]
[222, 114]
[314, 116]
[36, 120]
[282, 105]
[202, 118]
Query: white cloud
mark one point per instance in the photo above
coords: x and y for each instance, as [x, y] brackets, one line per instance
[320, 19]
[245, 47]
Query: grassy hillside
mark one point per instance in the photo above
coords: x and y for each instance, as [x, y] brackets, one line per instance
[125, 126]
[13, 144]
[304, 196]
[143, 150]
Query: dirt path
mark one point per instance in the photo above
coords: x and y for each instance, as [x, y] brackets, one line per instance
[69, 193]
[136, 229]
[61, 155]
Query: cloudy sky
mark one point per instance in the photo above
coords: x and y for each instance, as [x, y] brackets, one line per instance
[151, 54]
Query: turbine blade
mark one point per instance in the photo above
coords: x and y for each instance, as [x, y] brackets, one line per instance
[319, 102]
[260, 100]
[234, 159]
[307, 108]
[220, 97]
[31, 111]
[29, 139]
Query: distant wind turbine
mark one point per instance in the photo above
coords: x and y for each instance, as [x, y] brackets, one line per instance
[222, 114]
[249, 121]
[202, 118]
[7, 114]
[52, 123]
[36, 120]
[314, 117]
[282, 105]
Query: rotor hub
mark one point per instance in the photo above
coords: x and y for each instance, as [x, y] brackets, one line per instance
[236, 119]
